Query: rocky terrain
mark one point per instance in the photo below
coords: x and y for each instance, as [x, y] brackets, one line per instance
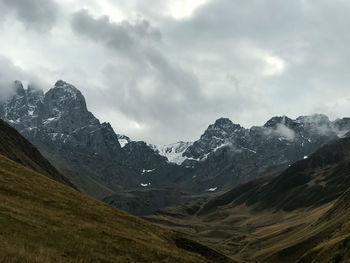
[105, 164]
[90, 153]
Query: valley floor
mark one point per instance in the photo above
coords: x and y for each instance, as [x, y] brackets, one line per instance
[250, 236]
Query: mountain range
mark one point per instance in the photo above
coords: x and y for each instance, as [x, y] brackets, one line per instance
[128, 174]
[273, 193]
[45, 219]
[298, 215]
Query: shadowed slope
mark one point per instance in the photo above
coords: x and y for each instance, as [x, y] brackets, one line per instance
[14, 146]
[300, 215]
[314, 181]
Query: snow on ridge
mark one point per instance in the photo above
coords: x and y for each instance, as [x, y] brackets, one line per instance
[145, 185]
[173, 152]
[213, 189]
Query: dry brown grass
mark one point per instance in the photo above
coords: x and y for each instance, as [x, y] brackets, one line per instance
[44, 221]
[268, 236]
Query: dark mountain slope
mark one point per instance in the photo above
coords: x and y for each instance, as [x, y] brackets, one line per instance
[314, 181]
[15, 147]
[325, 240]
[228, 154]
[45, 221]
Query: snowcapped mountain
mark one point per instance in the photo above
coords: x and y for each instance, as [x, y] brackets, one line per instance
[173, 152]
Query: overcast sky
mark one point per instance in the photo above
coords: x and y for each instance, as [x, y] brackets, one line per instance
[163, 70]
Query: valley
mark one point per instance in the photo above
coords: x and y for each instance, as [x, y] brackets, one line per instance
[187, 131]
[275, 193]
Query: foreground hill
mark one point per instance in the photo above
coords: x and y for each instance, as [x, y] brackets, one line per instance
[15, 147]
[44, 221]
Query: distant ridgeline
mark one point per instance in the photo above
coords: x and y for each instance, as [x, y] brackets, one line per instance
[102, 163]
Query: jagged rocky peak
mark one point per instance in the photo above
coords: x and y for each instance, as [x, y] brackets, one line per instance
[65, 91]
[225, 124]
[18, 88]
[279, 120]
[222, 128]
[65, 99]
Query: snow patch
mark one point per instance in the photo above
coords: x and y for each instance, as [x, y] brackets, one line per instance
[173, 152]
[145, 185]
[49, 120]
[147, 171]
[212, 189]
[123, 142]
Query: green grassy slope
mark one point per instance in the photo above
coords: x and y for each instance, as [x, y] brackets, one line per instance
[45, 221]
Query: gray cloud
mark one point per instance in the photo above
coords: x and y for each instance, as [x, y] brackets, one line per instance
[39, 15]
[162, 79]
[156, 88]
[8, 73]
[122, 36]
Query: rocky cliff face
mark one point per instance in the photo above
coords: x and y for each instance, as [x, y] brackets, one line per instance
[87, 151]
[228, 154]
[101, 162]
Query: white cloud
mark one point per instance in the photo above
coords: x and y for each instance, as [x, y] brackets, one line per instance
[274, 65]
[182, 9]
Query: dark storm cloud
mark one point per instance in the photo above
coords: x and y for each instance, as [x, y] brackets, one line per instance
[39, 15]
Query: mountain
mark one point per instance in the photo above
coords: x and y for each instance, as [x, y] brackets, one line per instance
[106, 165]
[88, 152]
[311, 182]
[45, 221]
[298, 215]
[15, 147]
[228, 154]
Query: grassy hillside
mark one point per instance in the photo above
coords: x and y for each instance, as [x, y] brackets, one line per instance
[15, 147]
[45, 221]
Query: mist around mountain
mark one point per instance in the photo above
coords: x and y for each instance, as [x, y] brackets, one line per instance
[112, 167]
[298, 215]
[272, 193]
